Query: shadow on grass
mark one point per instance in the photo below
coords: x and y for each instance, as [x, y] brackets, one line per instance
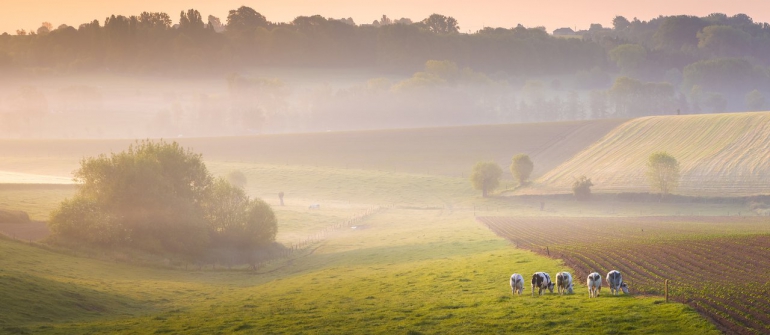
[28, 299]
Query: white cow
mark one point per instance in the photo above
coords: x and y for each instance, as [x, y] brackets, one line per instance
[542, 281]
[517, 283]
[564, 282]
[594, 283]
[615, 280]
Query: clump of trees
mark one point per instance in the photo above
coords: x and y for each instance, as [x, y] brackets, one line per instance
[581, 188]
[159, 198]
[521, 168]
[663, 172]
[486, 177]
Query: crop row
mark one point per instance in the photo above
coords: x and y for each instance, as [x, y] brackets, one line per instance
[713, 266]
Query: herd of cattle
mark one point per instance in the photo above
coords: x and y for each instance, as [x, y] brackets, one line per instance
[542, 281]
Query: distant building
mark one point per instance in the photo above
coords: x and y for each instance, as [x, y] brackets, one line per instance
[564, 31]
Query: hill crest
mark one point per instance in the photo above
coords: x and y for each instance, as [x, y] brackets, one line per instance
[718, 154]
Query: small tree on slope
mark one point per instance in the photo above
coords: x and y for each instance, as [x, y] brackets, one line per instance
[521, 168]
[663, 172]
[486, 177]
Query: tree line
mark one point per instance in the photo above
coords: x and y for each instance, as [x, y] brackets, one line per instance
[667, 65]
[151, 43]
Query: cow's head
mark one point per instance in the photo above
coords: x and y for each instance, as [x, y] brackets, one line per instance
[550, 286]
[624, 288]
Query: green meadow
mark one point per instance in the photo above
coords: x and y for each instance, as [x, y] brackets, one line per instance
[420, 265]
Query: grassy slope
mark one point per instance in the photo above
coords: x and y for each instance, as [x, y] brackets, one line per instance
[436, 277]
[425, 270]
[719, 154]
[36, 200]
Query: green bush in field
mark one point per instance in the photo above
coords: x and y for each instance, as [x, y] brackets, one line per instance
[521, 168]
[663, 172]
[235, 220]
[486, 177]
[160, 198]
[581, 188]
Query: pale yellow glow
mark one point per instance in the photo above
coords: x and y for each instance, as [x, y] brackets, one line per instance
[472, 15]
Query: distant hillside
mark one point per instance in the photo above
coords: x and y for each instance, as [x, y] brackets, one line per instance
[450, 151]
[718, 154]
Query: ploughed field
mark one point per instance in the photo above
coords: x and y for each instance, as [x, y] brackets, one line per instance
[718, 154]
[718, 265]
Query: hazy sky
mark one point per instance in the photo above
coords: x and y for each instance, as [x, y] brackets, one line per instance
[472, 15]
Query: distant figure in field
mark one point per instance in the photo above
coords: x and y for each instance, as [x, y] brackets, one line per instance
[542, 205]
[280, 196]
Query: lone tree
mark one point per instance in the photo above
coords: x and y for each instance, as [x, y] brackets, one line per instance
[160, 198]
[521, 168]
[486, 176]
[663, 172]
[582, 188]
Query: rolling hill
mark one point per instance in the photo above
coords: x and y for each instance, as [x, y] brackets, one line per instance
[448, 151]
[719, 154]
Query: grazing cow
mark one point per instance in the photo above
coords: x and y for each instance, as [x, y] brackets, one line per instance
[542, 281]
[517, 283]
[594, 283]
[564, 283]
[615, 280]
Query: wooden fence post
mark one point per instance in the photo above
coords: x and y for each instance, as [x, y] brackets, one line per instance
[666, 289]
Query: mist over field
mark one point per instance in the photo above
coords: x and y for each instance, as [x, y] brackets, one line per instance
[196, 174]
[152, 75]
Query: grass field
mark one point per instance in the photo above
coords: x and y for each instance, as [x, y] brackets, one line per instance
[424, 266]
[718, 154]
[700, 256]
[419, 265]
[439, 276]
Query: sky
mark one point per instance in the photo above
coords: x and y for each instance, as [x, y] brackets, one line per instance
[472, 15]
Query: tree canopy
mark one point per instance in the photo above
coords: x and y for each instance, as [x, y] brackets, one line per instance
[663, 172]
[521, 168]
[486, 177]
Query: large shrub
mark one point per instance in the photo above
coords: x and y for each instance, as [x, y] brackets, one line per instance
[581, 188]
[237, 221]
[160, 198]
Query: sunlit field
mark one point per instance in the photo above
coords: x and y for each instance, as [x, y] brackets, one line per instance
[719, 154]
[418, 262]
[394, 275]
[219, 169]
[693, 253]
